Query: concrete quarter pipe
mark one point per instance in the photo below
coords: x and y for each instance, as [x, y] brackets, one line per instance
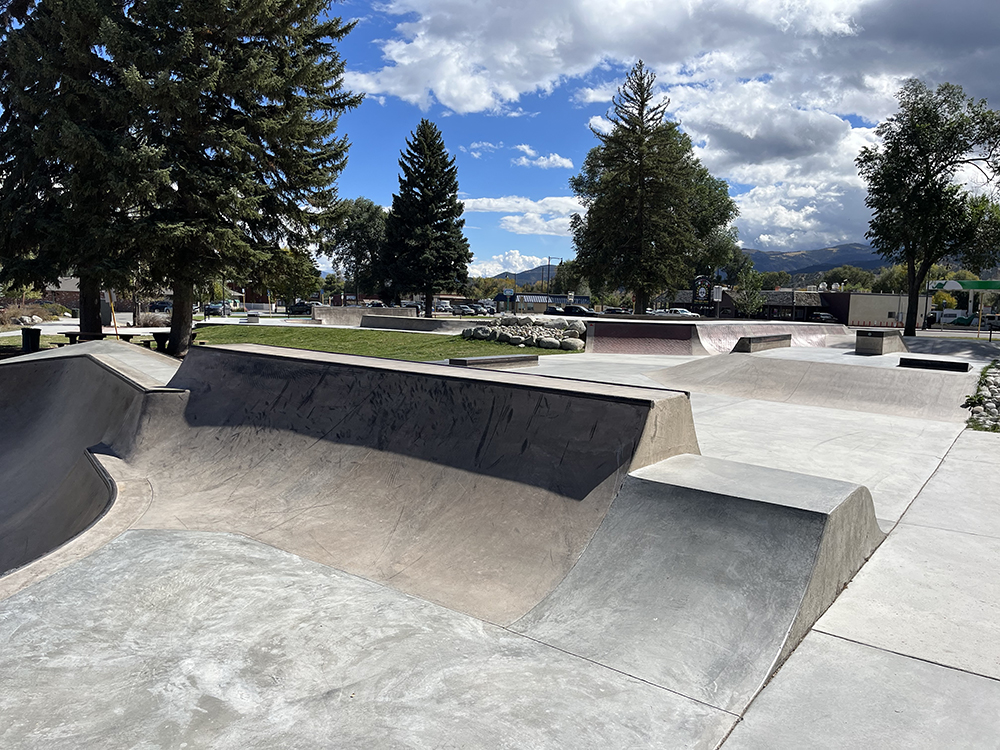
[338, 550]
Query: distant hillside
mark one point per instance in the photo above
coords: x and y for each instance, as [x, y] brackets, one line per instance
[529, 277]
[814, 261]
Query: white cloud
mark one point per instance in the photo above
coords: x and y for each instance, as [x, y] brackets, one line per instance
[478, 148]
[512, 261]
[767, 89]
[552, 161]
[600, 124]
[548, 216]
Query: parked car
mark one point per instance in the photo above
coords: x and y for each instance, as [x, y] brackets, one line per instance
[822, 317]
[161, 305]
[415, 305]
[682, 312]
[217, 308]
[616, 311]
[462, 310]
[300, 308]
[554, 311]
[580, 310]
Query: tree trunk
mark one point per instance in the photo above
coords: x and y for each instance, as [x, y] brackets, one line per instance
[912, 298]
[428, 303]
[641, 302]
[180, 319]
[90, 304]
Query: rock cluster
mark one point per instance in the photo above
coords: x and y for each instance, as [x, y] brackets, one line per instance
[523, 330]
[27, 320]
[986, 403]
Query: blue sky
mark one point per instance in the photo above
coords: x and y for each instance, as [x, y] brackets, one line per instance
[778, 96]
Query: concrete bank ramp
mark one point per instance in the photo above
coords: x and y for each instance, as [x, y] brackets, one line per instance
[52, 409]
[707, 573]
[720, 337]
[880, 390]
[473, 489]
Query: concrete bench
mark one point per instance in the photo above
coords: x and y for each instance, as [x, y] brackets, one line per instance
[500, 361]
[751, 344]
[935, 364]
[75, 336]
[879, 342]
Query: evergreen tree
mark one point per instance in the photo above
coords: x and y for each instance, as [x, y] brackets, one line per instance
[920, 215]
[654, 213]
[242, 100]
[72, 167]
[425, 248]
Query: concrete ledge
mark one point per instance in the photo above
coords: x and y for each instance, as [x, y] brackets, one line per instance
[934, 364]
[352, 316]
[879, 342]
[717, 568]
[456, 325]
[501, 361]
[751, 344]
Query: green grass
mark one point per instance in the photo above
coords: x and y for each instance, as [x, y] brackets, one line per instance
[415, 347]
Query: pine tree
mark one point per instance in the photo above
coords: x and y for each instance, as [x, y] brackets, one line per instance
[426, 250]
[195, 136]
[653, 211]
[72, 169]
[242, 101]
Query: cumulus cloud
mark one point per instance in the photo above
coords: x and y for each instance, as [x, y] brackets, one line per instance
[548, 216]
[512, 261]
[777, 95]
[478, 148]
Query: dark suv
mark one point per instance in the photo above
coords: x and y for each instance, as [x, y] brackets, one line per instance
[822, 317]
[580, 310]
[299, 308]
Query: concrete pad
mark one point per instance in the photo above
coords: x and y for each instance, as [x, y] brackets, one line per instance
[930, 594]
[909, 393]
[963, 493]
[892, 456]
[836, 694]
[706, 573]
[180, 639]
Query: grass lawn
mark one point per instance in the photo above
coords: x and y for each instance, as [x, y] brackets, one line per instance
[416, 347]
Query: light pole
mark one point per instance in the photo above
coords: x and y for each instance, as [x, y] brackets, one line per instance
[547, 271]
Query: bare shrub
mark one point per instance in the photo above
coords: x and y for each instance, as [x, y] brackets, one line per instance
[153, 320]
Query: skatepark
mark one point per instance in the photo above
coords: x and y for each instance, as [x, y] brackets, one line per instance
[689, 548]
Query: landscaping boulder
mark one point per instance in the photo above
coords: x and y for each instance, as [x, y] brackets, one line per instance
[572, 345]
[481, 333]
[577, 325]
[548, 342]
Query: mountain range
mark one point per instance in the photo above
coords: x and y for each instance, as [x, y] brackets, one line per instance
[794, 262]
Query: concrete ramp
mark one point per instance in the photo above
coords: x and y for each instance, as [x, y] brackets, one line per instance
[707, 573]
[53, 409]
[477, 490]
[881, 390]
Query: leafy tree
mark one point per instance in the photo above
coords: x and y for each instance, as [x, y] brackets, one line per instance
[484, 288]
[654, 213]
[746, 294]
[985, 247]
[568, 278]
[425, 249]
[357, 242]
[892, 280]
[775, 279]
[919, 214]
[334, 283]
[857, 279]
[73, 168]
[943, 301]
[292, 275]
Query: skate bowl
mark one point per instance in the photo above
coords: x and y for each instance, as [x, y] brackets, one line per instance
[881, 390]
[343, 550]
[695, 338]
[52, 411]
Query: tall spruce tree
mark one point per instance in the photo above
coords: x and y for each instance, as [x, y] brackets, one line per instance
[653, 211]
[242, 100]
[73, 170]
[425, 249]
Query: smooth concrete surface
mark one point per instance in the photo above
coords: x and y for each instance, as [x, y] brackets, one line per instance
[182, 639]
[161, 637]
[351, 316]
[474, 489]
[53, 410]
[427, 325]
[922, 394]
[834, 694]
[706, 573]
